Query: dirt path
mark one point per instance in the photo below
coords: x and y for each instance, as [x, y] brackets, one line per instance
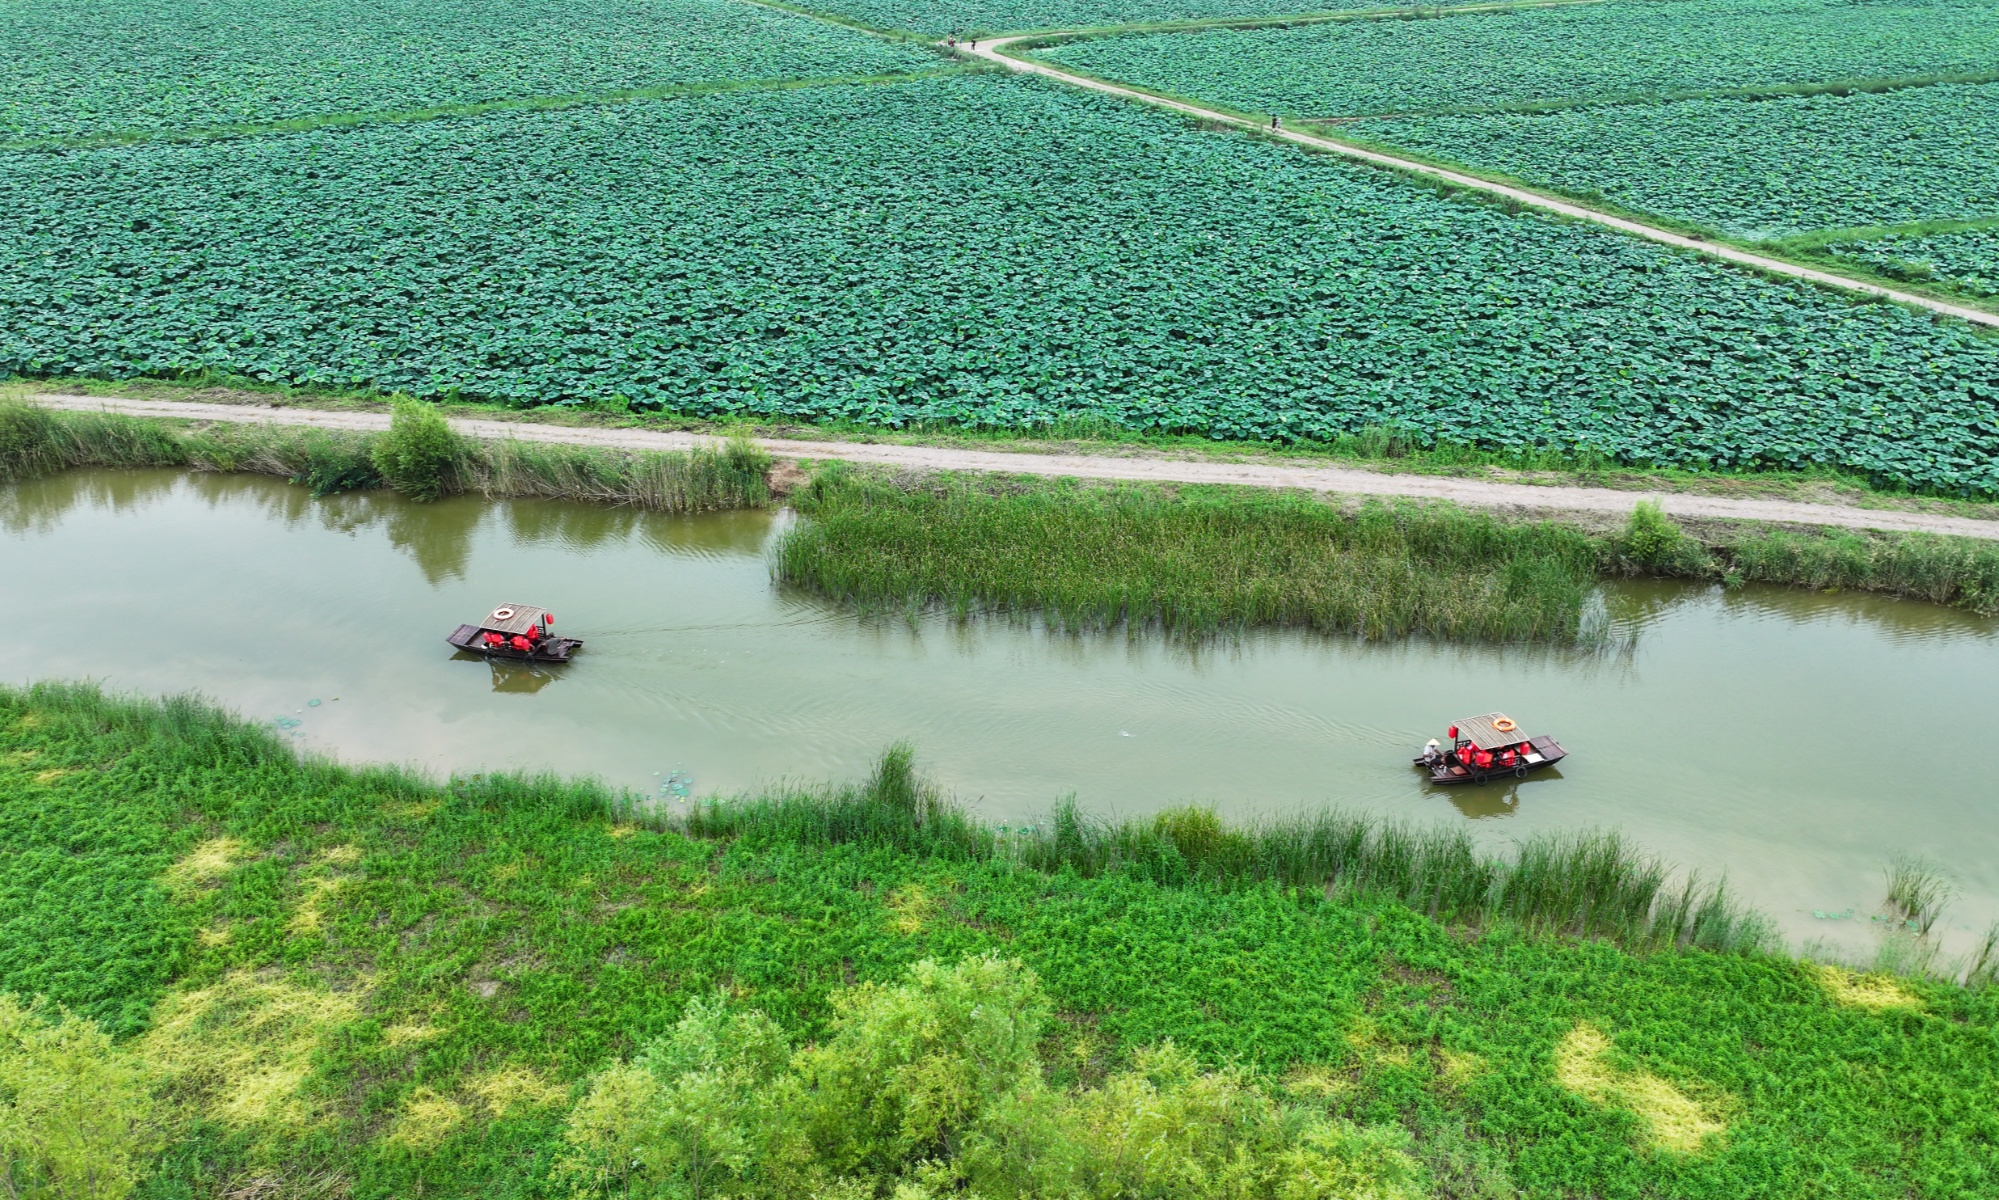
[1474, 493]
[993, 52]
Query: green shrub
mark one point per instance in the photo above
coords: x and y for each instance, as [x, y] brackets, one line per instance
[708, 1110]
[911, 1068]
[1166, 1128]
[1650, 537]
[419, 455]
[73, 1109]
[934, 1085]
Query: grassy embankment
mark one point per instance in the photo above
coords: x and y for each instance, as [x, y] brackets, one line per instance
[1375, 448]
[1191, 560]
[1199, 559]
[420, 457]
[327, 980]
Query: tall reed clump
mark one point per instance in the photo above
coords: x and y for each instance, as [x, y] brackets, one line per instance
[419, 457]
[1917, 893]
[1591, 885]
[698, 480]
[1958, 571]
[35, 441]
[1194, 560]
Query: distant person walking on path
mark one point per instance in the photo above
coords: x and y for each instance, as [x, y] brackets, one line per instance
[1274, 124]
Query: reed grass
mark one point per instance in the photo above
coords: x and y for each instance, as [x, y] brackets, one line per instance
[1917, 892]
[1981, 968]
[1961, 572]
[1585, 885]
[1195, 560]
[37, 441]
[1588, 885]
[1202, 560]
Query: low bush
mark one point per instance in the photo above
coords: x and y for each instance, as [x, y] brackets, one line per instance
[933, 1087]
[419, 455]
[74, 1109]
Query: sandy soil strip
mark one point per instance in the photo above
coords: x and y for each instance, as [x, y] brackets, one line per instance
[1342, 480]
[992, 52]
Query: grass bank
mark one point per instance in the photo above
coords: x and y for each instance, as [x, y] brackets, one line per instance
[1592, 885]
[328, 980]
[419, 456]
[1192, 560]
[1374, 447]
[1202, 559]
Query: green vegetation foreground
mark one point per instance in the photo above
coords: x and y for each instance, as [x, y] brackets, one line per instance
[334, 980]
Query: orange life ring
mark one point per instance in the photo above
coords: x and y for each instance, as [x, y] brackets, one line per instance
[1505, 725]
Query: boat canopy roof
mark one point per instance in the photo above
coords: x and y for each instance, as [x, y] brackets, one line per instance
[513, 618]
[1479, 731]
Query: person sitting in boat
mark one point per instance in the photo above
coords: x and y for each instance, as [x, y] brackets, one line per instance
[495, 640]
[521, 643]
[1432, 753]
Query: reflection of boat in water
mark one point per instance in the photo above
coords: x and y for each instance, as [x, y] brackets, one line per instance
[1489, 747]
[518, 632]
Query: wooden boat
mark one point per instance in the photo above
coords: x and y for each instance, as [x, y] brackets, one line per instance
[1496, 733]
[511, 621]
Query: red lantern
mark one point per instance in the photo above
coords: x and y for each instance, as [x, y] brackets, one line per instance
[548, 618]
[1453, 733]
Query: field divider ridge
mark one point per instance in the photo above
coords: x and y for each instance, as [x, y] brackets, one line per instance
[1932, 227]
[995, 52]
[1868, 86]
[451, 112]
[1278, 21]
[1350, 481]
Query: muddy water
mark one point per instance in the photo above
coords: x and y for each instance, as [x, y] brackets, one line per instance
[1793, 740]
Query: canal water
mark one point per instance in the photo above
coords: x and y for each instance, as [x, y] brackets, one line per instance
[1795, 741]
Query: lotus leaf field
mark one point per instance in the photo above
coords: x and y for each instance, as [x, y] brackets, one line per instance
[1478, 62]
[1760, 169]
[76, 69]
[917, 252]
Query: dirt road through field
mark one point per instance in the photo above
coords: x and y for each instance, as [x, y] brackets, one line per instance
[994, 52]
[1476, 493]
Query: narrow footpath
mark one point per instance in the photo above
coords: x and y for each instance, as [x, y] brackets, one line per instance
[1474, 493]
[994, 52]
